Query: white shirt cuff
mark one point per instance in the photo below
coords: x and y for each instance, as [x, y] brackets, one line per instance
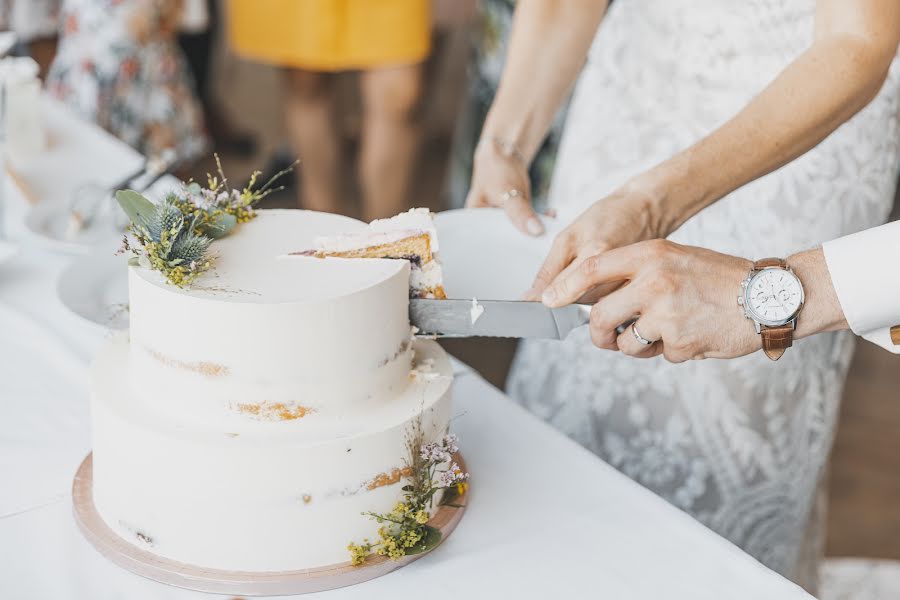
[865, 272]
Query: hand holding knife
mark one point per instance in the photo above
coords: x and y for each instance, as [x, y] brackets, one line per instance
[500, 318]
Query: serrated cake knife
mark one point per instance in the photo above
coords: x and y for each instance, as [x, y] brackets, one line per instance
[495, 318]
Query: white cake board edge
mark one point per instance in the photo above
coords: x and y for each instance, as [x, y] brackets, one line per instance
[239, 583]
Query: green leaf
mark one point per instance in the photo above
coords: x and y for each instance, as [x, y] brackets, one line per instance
[133, 261]
[220, 226]
[136, 206]
[429, 542]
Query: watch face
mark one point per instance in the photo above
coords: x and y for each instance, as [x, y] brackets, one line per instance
[773, 296]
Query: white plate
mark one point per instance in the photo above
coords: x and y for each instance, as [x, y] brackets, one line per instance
[95, 288]
[484, 256]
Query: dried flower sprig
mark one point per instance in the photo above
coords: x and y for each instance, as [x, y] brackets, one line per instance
[405, 529]
[166, 240]
[174, 236]
[221, 206]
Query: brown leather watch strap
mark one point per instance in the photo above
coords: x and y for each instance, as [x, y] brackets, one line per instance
[765, 263]
[775, 340]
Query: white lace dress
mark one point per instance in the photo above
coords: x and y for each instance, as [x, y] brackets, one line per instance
[741, 444]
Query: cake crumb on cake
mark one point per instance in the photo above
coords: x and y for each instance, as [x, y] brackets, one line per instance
[476, 311]
[274, 411]
[384, 479]
[209, 369]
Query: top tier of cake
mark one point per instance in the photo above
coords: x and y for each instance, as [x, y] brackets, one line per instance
[273, 335]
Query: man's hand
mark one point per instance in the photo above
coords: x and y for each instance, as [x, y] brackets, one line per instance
[631, 214]
[685, 300]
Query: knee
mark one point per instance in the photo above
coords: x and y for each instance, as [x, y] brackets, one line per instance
[396, 98]
[307, 85]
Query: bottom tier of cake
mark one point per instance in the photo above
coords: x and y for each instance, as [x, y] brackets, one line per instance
[267, 498]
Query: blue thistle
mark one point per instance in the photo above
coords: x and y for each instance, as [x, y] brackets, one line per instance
[166, 217]
[189, 247]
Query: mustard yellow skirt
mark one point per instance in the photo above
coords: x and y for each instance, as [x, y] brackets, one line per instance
[331, 35]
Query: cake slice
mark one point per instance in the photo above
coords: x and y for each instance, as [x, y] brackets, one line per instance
[408, 236]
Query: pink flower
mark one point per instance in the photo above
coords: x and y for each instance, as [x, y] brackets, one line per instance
[434, 453]
[452, 476]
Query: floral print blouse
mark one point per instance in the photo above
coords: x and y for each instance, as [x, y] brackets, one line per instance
[119, 65]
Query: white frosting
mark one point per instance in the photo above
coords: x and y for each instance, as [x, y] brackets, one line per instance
[476, 311]
[346, 242]
[257, 496]
[415, 219]
[327, 334]
[241, 423]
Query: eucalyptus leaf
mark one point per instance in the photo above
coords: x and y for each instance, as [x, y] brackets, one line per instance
[430, 541]
[134, 261]
[194, 188]
[220, 226]
[136, 206]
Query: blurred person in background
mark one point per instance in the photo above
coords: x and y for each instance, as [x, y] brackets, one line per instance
[387, 41]
[198, 37]
[750, 127]
[35, 23]
[120, 66]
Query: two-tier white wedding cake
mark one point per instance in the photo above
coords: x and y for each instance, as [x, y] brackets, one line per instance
[248, 420]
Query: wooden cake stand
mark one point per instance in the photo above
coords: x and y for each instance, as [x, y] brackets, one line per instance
[171, 572]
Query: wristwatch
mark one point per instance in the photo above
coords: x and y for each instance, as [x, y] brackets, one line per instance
[772, 297]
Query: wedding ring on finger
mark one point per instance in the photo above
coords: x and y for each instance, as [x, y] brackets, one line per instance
[641, 339]
[508, 195]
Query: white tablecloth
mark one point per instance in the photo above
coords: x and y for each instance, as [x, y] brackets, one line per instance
[546, 518]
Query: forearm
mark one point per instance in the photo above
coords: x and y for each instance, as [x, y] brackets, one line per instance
[821, 310]
[811, 98]
[547, 48]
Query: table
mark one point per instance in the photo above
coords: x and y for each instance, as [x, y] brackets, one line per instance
[546, 517]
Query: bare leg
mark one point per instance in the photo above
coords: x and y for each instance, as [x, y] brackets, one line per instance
[389, 139]
[311, 130]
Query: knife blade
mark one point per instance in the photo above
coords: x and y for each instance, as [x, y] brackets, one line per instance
[499, 318]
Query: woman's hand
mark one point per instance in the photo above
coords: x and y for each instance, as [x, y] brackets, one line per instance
[500, 179]
[548, 44]
[631, 214]
[684, 298]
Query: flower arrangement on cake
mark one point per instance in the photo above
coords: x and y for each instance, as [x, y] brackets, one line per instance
[174, 236]
[405, 530]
